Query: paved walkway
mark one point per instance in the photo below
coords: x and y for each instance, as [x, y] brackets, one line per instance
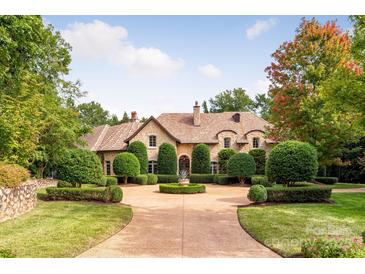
[168, 225]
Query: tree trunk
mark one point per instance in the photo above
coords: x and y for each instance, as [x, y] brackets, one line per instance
[125, 179]
[242, 180]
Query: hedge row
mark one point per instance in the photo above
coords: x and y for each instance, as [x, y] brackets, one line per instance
[298, 194]
[202, 178]
[175, 188]
[260, 180]
[327, 180]
[167, 178]
[225, 179]
[111, 194]
[140, 179]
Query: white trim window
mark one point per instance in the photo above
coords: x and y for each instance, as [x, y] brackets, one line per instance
[214, 167]
[152, 167]
[227, 142]
[152, 141]
[255, 142]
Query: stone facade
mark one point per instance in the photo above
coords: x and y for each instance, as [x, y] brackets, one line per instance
[19, 200]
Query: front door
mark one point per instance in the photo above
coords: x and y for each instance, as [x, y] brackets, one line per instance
[184, 163]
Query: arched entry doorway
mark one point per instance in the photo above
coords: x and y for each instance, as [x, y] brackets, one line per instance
[184, 163]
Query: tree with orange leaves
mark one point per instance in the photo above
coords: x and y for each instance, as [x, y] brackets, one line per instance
[306, 75]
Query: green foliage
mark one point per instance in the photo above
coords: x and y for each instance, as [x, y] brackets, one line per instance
[257, 194]
[260, 180]
[223, 179]
[92, 114]
[291, 162]
[126, 165]
[231, 100]
[205, 107]
[333, 248]
[6, 253]
[125, 118]
[80, 166]
[176, 188]
[259, 155]
[113, 194]
[62, 184]
[140, 151]
[262, 105]
[200, 162]
[152, 179]
[167, 159]
[12, 175]
[327, 180]
[111, 181]
[140, 179]
[102, 182]
[223, 156]
[167, 178]
[309, 194]
[202, 178]
[241, 165]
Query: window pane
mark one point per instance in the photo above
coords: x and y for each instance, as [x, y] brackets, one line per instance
[107, 167]
[152, 141]
[227, 142]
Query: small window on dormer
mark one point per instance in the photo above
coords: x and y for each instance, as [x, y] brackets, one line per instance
[227, 142]
[152, 141]
[236, 117]
[255, 142]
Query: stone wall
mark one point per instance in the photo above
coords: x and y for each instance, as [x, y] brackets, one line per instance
[19, 200]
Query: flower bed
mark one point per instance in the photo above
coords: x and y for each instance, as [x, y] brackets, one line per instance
[175, 188]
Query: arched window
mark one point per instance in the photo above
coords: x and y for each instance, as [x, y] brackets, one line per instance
[152, 141]
[227, 142]
[152, 167]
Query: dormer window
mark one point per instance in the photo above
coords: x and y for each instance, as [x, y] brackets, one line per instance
[255, 142]
[227, 142]
[236, 117]
[152, 141]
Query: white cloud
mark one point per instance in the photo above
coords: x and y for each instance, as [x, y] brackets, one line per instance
[99, 40]
[210, 71]
[260, 27]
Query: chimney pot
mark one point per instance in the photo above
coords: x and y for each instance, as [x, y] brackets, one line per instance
[134, 116]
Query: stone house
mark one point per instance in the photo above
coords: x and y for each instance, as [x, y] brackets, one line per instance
[241, 131]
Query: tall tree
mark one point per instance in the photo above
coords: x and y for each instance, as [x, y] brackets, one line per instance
[205, 107]
[262, 105]
[231, 100]
[305, 76]
[93, 114]
[125, 118]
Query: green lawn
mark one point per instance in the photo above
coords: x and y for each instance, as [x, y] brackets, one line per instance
[345, 186]
[283, 227]
[62, 229]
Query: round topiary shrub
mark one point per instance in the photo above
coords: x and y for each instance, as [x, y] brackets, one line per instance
[257, 194]
[241, 165]
[140, 151]
[12, 175]
[113, 194]
[102, 182]
[259, 155]
[62, 184]
[291, 162]
[261, 180]
[79, 166]
[111, 181]
[167, 159]
[152, 179]
[126, 165]
[223, 157]
[200, 160]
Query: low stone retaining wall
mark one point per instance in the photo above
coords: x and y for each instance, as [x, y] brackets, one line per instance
[19, 200]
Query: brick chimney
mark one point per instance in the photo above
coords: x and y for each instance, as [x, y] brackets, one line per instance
[196, 114]
[134, 117]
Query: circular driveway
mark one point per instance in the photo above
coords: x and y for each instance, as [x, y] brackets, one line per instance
[176, 225]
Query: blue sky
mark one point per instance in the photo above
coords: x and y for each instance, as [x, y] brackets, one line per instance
[155, 64]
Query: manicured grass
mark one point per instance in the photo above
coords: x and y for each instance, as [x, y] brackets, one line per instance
[62, 229]
[345, 186]
[283, 227]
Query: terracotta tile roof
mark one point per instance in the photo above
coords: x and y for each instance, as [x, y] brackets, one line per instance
[110, 138]
[181, 125]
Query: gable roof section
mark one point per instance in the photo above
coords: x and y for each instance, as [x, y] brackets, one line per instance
[145, 123]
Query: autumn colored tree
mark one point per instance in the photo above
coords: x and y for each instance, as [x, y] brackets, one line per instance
[306, 76]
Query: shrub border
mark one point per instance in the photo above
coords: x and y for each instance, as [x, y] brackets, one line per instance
[174, 188]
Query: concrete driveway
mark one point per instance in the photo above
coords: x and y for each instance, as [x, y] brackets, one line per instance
[170, 225]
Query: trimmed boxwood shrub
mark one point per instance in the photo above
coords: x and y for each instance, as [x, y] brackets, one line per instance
[200, 159]
[61, 183]
[126, 165]
[108, 194]
[102, 182]
[140, 151]
[257, 194]
[298, 194]
[140, 179]
[167, 178]
[259, 155]
[225, 179]
[80, 166]
[327, 180]
[241, 165]
[202, 178]
[291, 162]
[223, 156]
[111, 181]
[176, 188]
[260, 180]
[12, 175]
[152, 179]
[167, 159]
